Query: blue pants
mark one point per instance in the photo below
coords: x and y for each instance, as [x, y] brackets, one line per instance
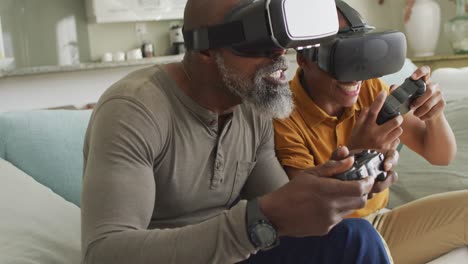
[351, 241]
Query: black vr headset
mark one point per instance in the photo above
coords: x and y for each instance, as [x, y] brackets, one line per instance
[258, 28]
[359, 52]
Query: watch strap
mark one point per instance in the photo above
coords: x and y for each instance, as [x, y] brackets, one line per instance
[255, 216]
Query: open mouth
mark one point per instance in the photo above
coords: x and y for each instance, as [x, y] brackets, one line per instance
[277, 77]
[350, 88]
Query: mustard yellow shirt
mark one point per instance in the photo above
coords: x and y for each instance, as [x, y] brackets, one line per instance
[309, 136]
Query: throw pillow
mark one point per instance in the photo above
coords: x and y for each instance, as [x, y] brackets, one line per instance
[37, 225]
[48, 146]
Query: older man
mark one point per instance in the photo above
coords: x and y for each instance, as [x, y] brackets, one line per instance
[180, 168]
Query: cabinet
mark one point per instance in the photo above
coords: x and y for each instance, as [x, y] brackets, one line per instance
[107, 11]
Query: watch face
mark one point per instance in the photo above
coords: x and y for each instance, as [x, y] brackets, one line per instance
[263, 235]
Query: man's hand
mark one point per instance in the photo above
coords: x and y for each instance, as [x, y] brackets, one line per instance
[367, 134]
[313, 202]
[432, 103]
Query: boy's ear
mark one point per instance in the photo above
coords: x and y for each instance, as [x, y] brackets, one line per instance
[306, 57]
[300, 59]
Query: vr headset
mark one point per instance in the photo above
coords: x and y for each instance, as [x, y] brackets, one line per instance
[261, 27]
[359, 52]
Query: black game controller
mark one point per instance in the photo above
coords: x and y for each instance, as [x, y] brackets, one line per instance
[366, 163]
[398, 102]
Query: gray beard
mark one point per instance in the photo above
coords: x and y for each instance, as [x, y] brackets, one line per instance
[273, 101]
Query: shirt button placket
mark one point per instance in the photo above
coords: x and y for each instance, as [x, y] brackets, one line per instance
[218, 176]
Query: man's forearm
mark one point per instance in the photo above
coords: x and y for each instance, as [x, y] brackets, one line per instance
[222, 239]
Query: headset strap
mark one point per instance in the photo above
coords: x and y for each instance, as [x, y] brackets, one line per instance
[214, 36]
[217, 36]
[354, 18]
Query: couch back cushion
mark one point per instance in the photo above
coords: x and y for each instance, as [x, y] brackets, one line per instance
[452, 82]
[418, 178]
[47, 145]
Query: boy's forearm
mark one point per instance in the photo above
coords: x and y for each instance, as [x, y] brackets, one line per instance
[439, 141]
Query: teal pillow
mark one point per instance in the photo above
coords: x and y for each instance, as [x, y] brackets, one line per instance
[48, 145]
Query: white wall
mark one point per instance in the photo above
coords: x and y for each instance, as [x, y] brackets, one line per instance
[390, 16]
[57, 89]
[382, 16]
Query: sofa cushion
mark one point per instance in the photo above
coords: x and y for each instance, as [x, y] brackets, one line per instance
[459, 255]
[36, 225]
[48, 146]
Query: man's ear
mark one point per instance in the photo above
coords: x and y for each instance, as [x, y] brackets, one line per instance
[207, 56]
[204, 54]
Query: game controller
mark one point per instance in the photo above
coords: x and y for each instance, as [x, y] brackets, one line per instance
[398, 102]
[366, 163]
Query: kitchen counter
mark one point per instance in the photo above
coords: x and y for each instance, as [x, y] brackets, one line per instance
[88, 66]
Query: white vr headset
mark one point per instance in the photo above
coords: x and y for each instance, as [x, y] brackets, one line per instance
[260, 27]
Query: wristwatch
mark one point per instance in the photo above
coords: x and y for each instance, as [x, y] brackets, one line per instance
[262, 234]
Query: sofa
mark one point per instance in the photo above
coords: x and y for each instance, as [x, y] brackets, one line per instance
[40, 181]
[41, 174]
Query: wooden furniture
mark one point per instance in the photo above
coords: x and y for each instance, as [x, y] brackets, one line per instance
[442, 61]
